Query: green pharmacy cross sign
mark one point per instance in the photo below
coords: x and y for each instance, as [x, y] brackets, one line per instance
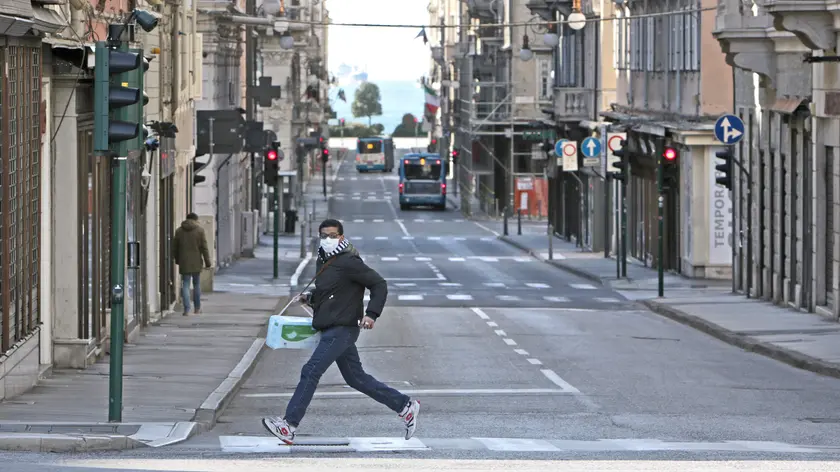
[541, 135]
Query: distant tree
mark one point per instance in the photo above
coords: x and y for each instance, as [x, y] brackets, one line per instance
[378, 128]
[354, 130]
[408, 128]
[367, 102]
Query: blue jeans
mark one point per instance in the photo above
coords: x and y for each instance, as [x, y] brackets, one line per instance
[338, 344]
[185, 290]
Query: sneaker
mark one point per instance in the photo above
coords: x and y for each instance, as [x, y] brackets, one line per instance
[409, 416]
[280, 428]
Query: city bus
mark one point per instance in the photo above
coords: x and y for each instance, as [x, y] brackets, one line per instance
[422, 181]
[375, 154]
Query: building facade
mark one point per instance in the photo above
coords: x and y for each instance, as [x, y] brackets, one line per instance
[786, 91]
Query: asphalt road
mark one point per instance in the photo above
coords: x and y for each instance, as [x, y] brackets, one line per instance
[514, 359]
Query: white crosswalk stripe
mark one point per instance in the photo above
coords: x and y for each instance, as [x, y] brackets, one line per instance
[556, 299]
[306, 445]
[583, 286]
[410, 297]
[508, 298]
[459, 296]
[535, 285]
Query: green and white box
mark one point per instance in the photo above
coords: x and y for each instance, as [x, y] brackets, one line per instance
[291, 332]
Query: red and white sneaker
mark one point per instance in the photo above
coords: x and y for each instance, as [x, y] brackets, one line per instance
[409, 416]
[280, 428]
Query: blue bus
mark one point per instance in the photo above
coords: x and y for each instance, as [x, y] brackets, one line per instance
[375, 154]
[422, 181]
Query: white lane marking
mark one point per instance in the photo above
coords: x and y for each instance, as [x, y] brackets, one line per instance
[386, 444]
[536, 285]
[556, 299]
[535, 361]
[449, 284]
[457, 259]
[480, 313]
[358, 221]
[404, 229]
[583, 286]
[419, 221]
[357, 198]
[422, 259]
[492, 324]
[390, 259]
[521, 352]
[487, 259]
[406, 284]
[500, 332]
[381, 237]
[507, 298]
[296, 276]
[378, 221]
[460, 239]
[409, 297]
[443, 392]
[459, 296]
[438, 221]
[459, 220]
[518, 445]
[551, 375]
[607, 300]
[488, 239]
[495, 233]
[494, 284]
[522, 259]
[433, 238]
[509, 342]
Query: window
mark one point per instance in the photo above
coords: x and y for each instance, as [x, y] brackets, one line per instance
[20, 190]
[425, 171]
[544, 79]
[568, 58]
[684, 41]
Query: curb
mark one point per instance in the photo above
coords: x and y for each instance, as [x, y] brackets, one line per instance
[747, 343]
[214, 405]
[148, 435]
[556, 263]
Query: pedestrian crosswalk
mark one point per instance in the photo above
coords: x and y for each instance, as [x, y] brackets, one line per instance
[400, 220]
[411, 258]
[420, 238]
[465, 297]
[269, 445]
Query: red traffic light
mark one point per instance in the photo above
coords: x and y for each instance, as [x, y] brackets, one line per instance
[326, 152]
[434, 141]
[271, 155]
[455, 154]
[670, 154]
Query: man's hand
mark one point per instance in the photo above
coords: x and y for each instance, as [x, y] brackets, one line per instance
[367, 322]
[304, 298]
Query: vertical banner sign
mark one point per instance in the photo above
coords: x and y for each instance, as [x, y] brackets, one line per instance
[720, 215]
[613, 144]
[570, 156]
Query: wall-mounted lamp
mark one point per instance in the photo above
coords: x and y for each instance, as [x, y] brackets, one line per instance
[576, 20]
[525, 53]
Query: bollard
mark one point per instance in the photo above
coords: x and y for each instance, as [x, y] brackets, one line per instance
[505, 224]
[550, 242]
[519, 223]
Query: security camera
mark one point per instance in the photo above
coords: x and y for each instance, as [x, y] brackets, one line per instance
[145, 179]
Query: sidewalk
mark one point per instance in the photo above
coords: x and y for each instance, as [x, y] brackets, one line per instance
[804, 340]
[178, 377]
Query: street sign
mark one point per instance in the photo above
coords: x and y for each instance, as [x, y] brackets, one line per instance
[729, 129]
[570, 156]
[558, 147]
[614, 144]
[591, 162]
[591, 147]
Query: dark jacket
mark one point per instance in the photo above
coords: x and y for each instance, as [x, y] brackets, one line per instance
[189, 246]
[338, 297]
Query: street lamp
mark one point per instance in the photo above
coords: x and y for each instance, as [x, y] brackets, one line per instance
[287, 41]
[525, 53]
[576, 20]
[551, 39]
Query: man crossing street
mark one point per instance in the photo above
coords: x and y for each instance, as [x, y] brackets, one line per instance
[339, 315]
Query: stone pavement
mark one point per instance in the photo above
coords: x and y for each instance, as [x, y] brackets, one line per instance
[178, 377]
[804, 340]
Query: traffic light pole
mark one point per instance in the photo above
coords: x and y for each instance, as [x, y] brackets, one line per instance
[276, 204]
[660, 242]
[624, 228]
[119, 172]
[324, 176]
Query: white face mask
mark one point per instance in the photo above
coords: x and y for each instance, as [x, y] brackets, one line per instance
[329, 244]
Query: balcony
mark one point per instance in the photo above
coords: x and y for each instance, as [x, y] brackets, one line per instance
[573, 104]
[745, 39]
[486, 10]
[809, 20]
[545, 8]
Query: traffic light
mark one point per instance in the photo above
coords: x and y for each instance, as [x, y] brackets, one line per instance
[197, 166]
[619, 168]
[341, 122]
[455, 155]
[107, 96]
[727, 168]
[670, 168]
[325, 154]
[271, 164]
[432, 147]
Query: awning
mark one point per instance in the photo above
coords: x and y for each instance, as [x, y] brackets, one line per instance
[14, 26]
[787, 105]
[47, 21]
[79, 54]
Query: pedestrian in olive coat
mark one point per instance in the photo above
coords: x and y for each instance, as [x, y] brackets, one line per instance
[189, 246]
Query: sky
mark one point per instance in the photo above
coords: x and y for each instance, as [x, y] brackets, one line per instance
[384, 53]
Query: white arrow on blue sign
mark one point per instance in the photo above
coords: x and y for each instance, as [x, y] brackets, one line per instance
[591, 147]
[729, 129]
[558, 147]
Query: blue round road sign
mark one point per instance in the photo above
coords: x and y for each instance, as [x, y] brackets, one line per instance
[558, 147]
[729, 129]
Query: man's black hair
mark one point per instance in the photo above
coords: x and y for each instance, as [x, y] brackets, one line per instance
[331, 223]
[192, 216]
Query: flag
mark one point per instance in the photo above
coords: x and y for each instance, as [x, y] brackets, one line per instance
[432, 100]
[341, 95]
[422, 34]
